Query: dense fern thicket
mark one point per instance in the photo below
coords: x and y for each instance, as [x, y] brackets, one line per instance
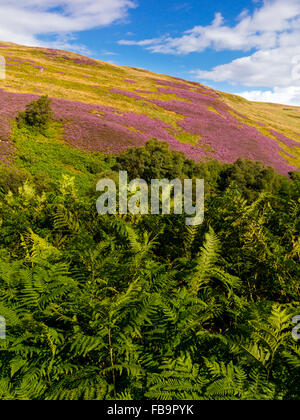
[143, 307]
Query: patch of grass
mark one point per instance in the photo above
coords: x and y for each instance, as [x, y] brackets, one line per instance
[187, 138]
[211, 109]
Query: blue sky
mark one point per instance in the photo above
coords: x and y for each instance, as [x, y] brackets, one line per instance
[250, 47]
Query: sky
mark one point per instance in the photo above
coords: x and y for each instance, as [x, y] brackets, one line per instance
[248, 47]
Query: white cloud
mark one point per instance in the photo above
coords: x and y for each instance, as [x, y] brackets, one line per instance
[272, 31]
[24, 21]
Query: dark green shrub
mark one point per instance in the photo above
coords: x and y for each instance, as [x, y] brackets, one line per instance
[295, 176]
[154, 161]
[251, 178]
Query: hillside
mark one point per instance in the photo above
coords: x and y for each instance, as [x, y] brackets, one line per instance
[109, 108]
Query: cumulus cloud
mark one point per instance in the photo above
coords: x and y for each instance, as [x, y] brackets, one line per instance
[262, 29]
[25, 21]
[272, 31]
